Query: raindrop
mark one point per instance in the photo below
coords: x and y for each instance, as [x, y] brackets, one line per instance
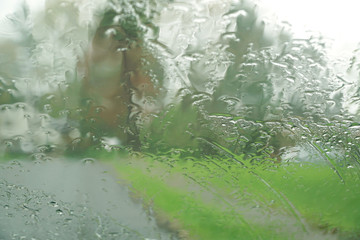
[59, 212]
[64, 4]
[8, 143]
[64, 112]
[47, 108]
[88, 160]
[121, 49]
[114, 234]
[5, 107]
[110, 32]
[21, 106]
[54, 204]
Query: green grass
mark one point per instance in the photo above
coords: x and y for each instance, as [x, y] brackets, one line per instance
[190, 214]
[320, 196]
[218, 198]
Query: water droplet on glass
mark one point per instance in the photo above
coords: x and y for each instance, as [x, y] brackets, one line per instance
[121, 49]
[59, 212]
[88, 160]
[110, 32]
[54, 204]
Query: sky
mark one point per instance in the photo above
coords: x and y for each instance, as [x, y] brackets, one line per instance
[335, 19]
[9, 6]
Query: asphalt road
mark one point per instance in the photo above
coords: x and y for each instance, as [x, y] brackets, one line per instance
[69, 199]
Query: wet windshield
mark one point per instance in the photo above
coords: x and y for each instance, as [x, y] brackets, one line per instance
[169, 119]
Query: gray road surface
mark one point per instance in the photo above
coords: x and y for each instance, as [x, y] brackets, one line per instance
[62, 199]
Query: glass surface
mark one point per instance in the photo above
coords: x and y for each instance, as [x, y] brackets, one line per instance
[170, 119]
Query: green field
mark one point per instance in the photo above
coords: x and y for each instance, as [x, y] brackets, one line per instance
[216, 197]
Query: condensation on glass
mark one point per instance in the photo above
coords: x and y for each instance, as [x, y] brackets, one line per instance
[196, 96]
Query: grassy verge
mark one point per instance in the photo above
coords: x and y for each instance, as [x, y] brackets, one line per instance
[218, 198]
[181, 208]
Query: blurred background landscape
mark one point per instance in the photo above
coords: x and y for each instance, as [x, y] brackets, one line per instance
[220, 119]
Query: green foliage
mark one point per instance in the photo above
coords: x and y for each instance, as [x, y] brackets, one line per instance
[175, 127]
